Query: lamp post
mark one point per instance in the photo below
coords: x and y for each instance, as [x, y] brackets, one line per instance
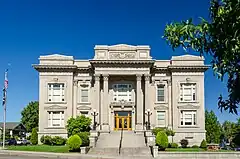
[94, 114]
[148, 113]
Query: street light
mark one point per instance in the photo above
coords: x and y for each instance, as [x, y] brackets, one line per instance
[148, 113]
[94, 114]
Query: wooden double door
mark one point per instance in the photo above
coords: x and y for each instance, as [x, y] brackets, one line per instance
[123, 120]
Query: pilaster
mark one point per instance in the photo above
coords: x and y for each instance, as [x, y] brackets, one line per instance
[170, 115]
[75, 94]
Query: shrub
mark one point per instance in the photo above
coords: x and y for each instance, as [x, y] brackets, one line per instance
[42, 139]
[34, 136]
[48, 140]
[78, 124]
[162, 140]
[174, 145]
[195, 146]
[170, 132]
[74, 143]
[203, 144]
[184, 143]
[156, 130]
[57, 140]
[85, 138]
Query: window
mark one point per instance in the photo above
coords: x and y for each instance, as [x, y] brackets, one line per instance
[161, 118]
[160, 93]
[84, 95]
[56, 119]
[188, 92]
[188, 117]
[56, 92]
[122, 92]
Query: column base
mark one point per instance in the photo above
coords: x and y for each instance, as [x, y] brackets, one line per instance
[139, 129]
[105, 128]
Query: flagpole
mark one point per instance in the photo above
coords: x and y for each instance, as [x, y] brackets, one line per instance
[4, 119]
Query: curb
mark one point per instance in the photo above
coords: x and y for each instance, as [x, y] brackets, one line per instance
[52, 155]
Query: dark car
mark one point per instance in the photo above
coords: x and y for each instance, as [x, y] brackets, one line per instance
[10, 142]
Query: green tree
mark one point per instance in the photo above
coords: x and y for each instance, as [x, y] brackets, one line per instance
[78, 124]
[229, 130]
[30, 116]
[218, 37]
[213, 127]
[162, 140]
[34, 136]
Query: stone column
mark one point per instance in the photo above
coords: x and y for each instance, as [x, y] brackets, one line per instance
[75, 94]
[139, 123]
[97, 97]
[147, 78]
[105, 107]
[170, 115]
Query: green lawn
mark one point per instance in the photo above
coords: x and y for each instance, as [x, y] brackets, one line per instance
[40, 148]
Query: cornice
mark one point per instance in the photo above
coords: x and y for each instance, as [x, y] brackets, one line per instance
[114, 63]
[55, 107]
[197, 68]
[54, 67]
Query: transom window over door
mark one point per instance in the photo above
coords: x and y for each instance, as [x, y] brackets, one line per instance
[188, 92]
[122, 92]
[55, 92]
[161, 118]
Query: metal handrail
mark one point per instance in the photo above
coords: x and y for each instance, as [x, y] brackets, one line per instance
[120, 144]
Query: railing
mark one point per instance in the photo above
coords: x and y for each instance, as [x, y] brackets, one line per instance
[120, 144]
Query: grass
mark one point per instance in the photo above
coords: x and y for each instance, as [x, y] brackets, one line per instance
[40, 148]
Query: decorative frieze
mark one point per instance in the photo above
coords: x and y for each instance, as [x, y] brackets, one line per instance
[122, 55]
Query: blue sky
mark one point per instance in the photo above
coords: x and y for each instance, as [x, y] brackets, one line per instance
[29, 29]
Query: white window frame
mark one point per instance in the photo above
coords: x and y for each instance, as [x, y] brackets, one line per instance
[164, 93]
[116, 94]
[164, 120]
[81, 95]
[193, 90]
[193, 118]
[50, 92]
[50, 119]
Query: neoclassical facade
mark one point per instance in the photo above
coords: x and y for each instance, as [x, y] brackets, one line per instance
[121, 84]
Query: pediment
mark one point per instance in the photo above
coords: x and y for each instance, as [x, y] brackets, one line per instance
[188, 106]
[122, 47]
[187, 58]
[56, 56]
[56, 107]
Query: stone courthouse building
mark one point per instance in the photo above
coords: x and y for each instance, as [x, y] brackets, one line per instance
[121, 83]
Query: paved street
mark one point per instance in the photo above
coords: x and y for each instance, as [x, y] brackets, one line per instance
[20, 157]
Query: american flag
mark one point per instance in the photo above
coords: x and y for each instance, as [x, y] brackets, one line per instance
[5, 87]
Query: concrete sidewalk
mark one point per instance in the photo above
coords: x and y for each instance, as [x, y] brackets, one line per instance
[37, 155]
[53, 155]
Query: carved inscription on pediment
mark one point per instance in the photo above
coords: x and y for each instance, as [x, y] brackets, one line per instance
[122, 55]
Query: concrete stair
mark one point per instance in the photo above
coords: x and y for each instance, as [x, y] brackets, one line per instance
[132, 146]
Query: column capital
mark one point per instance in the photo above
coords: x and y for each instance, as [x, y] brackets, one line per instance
[139, 77]
[97, 77]
[105, 77]
[147, 77]
[169, 82]
[75, 82]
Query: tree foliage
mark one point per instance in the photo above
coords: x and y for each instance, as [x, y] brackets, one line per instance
[213, 127]
[229, 129]
[219, 37]
[30, 116]
[162, 140]
[78, 124]
[34, 136]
